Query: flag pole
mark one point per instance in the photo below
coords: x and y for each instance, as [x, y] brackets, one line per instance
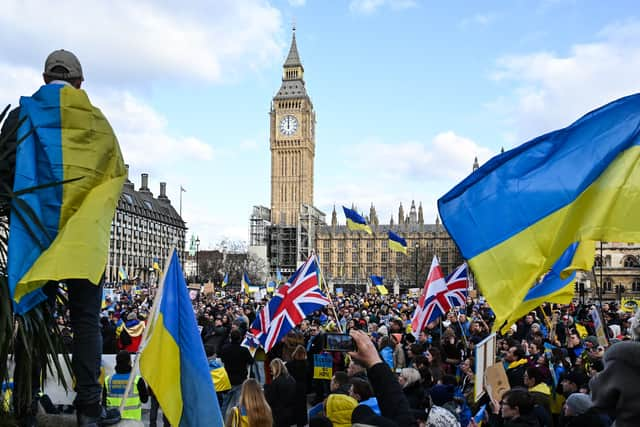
[333, 307]
[150, 323]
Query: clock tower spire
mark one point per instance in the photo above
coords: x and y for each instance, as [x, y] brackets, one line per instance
[292, 142]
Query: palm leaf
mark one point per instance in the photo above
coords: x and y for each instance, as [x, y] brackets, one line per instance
[34, 336]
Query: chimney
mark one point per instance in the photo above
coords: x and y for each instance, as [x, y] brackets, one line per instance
[163, 192]
[128, 184]
[144, 184]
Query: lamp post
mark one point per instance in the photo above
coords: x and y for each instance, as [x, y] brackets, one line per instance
[416, 267]
[197, 262]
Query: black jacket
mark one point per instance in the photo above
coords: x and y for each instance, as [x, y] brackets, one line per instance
[298, 370]
[391, 400]
[522, 421]
[236, 361]
[591, 418]
[415, 395]
[281, 397]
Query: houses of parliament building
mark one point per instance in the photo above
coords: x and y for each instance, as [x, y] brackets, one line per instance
[293, 228]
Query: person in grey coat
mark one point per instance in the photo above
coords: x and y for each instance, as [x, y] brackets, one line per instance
[616, 389]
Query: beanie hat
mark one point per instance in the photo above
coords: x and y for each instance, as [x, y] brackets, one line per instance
[441, 394]
[132, 316]
[579, 403]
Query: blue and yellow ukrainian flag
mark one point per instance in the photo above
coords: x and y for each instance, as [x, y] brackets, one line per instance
[514, 217]
[225, 281]
[552, 288]
[156, 263]
[355, 221]
[122, 273]
[278, 275]
[173, 361]
[378, 282]
[271, 286]
[397, 243]
[245, 282]
[71, 142]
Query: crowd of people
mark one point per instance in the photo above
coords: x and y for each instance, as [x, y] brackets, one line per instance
[559, 373]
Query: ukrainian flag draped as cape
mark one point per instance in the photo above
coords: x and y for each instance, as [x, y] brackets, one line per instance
[516, 216]
[71, 140]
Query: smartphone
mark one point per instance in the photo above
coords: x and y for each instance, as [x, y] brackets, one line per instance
[339, 342]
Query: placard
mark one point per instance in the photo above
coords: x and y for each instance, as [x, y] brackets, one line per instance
[496, 381]
[485, 355]
[599, 327]
[322, 366]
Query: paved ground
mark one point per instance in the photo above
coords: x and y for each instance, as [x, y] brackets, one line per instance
[65, 420]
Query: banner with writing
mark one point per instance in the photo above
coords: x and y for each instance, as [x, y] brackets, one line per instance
[322, 366]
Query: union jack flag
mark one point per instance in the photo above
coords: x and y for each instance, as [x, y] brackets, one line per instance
[458, 286]
[292, 302]
[433, 302]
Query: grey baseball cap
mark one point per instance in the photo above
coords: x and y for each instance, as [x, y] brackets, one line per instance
[65, 59]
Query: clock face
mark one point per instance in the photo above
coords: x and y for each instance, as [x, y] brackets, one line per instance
[288, 125]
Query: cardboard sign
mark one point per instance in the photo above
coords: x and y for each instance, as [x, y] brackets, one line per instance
[496, 381]
[322, 366]
[208, 288]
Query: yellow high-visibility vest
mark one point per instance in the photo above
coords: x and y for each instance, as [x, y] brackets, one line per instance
[116, 386]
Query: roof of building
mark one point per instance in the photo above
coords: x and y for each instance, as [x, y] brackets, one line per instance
[293, 59]
[143, 203]
[383, 228]
[292, 89]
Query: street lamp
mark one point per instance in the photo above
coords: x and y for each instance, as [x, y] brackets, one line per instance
[197, 263]
[417, 251]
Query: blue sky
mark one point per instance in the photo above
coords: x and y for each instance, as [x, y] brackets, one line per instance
[406, 92]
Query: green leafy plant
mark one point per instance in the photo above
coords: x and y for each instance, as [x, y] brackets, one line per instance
[33, 339]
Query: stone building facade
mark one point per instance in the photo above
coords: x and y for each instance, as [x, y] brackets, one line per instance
[144, 229]
[348, 258]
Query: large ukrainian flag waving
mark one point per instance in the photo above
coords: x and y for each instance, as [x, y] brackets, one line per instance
[173, 361]
[70, 140]
[517, 215]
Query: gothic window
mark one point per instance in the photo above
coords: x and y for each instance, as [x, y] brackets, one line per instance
[635, 286]
[630, 261]
[598, 261]
[369, 256]
[383, 256]
[608, 286]
[354, 257]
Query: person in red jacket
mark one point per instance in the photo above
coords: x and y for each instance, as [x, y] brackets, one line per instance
[130, 333]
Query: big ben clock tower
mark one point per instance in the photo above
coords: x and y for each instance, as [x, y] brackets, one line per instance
[292, 140]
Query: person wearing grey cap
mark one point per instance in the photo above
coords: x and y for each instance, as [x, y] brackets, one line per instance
[579, 412]
[63, 72]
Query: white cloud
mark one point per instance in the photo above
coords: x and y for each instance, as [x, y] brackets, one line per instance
[297, 3]
[447, 156]
[386, 174]
[367, 7]
[553, 90]
[123, 41]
